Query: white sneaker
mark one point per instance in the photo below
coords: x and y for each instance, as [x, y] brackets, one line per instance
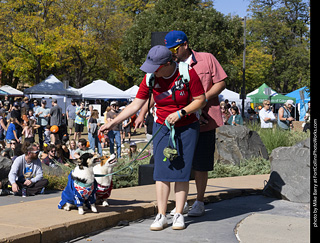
[159, 223]
[197, 209]
[184, 211]
[178, 222]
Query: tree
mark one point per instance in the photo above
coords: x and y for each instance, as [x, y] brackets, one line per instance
[207, 31]
[282, 28]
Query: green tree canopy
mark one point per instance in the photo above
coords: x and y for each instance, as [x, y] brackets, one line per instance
[207, 29]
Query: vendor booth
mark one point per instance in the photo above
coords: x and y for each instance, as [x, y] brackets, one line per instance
[301, 103]
[52, 88]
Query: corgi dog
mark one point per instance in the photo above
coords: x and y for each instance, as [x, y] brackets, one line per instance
[104, 184]
[81, 188]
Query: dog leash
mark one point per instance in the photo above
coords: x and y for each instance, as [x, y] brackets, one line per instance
[134, 160]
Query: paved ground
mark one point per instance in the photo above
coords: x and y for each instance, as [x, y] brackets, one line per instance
[220, 224]
[37, 219]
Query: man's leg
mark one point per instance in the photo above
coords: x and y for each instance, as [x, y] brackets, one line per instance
[36, 188]
[111, 138]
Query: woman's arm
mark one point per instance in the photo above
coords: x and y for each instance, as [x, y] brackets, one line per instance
[198, 103]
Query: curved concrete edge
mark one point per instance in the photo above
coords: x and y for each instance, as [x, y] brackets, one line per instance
[85, 226]
[273, 228]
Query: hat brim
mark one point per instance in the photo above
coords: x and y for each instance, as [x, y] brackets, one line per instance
[149, 68]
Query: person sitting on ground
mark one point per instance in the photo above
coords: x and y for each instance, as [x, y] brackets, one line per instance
[26, 173]
[133, 150]
[72, 149]
[52, 160]
[9, 152]
[82, 144]
[235, 119]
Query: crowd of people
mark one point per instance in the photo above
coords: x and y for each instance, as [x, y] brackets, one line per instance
[26, 124]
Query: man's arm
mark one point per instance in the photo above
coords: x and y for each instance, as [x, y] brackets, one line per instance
[215, 90]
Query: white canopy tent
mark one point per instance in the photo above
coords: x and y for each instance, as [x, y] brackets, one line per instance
[132, 91]
[233, 96]
[11, 91]
[101, 89]
[52, 88]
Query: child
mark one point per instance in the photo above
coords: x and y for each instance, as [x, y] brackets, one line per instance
[11, 132]
[133, 150]
[47, 134]
[29, 130]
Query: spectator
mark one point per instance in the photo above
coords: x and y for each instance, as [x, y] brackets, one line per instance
[307, 118]
[55, 116]
[47, 135]
[25, 107]
[284, 115]
[266, 115]
[43, 114]
[235, 119]
[114, 134]
[52, 160]
[179, 113]
[9, 152]
[133, 150]
[29, 131]
[79, 121]
[15, 113]
[93, 132]
[126, 129]
[26, 176]
[35, 106]
[72, 148]
[11, 132]
[82, 148]
[224, 112]
[71, 115]
[7, 103]
[105, 114]
[3, 128]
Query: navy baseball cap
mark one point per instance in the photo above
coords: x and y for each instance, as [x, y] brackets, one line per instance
[174, 38]
[157, 56]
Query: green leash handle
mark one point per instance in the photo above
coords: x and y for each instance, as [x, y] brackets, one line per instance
[172, 133]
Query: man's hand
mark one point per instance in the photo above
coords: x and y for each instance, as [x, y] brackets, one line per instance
[27, 183]
[106, 126]
[15, 187]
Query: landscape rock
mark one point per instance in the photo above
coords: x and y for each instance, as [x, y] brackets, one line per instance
[53, 171]
[236, 143]
[5, 166]
[290, 173]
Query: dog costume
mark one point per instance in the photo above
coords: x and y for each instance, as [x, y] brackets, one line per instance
[104, 192]
[78, 193]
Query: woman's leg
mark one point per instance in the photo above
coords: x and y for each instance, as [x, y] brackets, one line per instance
[181, 189]
[163, 190]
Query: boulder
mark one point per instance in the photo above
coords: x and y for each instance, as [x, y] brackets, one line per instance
[235, 143]
[290, 173]
[5, 166]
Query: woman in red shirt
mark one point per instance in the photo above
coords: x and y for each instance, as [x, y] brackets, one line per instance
[178, 111]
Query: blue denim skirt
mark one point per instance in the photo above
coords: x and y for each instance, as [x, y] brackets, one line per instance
[179, 169]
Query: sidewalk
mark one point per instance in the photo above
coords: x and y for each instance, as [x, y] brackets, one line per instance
[42, 221]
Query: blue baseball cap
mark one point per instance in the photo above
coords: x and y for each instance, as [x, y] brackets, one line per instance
[174, 38]
[157, 56]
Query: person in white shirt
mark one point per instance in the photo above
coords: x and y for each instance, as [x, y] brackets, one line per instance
[266, 115]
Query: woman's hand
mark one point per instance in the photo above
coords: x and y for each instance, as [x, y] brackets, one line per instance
[173, 117]
[108, 126]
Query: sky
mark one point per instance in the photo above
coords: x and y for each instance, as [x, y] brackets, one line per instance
[234, 7]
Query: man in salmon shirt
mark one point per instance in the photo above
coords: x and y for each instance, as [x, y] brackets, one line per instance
[212, 78]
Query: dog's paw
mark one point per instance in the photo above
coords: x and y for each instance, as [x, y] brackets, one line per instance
[80, 210]
[105, 203]
[93, 208]
[67, 207]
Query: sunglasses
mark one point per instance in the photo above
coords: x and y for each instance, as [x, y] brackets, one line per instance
[13, 143]
[267, 104]
[52, 151]
[174, 50]
[35, 152]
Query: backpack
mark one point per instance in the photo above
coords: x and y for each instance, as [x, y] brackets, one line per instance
[182, 80]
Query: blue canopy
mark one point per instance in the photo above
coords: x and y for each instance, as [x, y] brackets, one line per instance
[303, 103]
